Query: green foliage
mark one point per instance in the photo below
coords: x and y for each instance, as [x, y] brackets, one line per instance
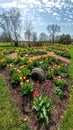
[57, 61]
[26, 89]
[66, 54]
[35, 63]
[3, 63]
[23, 62]
[44, 66]
[67, 121]
[25, 126]
[26, 71]
[42, 106]
[59, 92]
[16, 60]
[64, 75]
[61, 83]
[30, 66]
[49, 74]
[9, 60]
[15, 79]
[12, 70]
[65, 39]
[56, 71]
[63, 68]
[9, 114]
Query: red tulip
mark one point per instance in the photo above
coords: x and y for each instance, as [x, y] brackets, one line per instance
[35, 94]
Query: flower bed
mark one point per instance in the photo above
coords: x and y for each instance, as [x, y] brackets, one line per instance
[42, 103]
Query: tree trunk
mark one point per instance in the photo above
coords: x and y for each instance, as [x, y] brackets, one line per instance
[16, 43]
[53, 39]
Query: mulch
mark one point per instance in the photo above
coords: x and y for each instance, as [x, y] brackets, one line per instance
[24, 103]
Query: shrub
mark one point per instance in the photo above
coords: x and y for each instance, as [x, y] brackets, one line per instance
[25, 126]
[43, 66]
[9, 60]
[41, 106]
[63, 69]
[3, 63]
[49, 74]
[26, 89]
[35, 63]
[61, 83]
[23, 62]
[59, 92]
[16, 60]
[64, 75]
[12, 70]
[26, 71]
[30, 66]
[66, 54]
[56, 71]
[15, 79]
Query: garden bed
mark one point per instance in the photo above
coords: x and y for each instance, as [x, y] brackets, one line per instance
[24, 103]
[55, 87]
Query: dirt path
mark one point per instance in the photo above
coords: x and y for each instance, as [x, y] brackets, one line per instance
[51, 54]
[14, 55]
[59, 57]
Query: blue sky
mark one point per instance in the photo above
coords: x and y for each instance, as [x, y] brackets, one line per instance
[44, 12]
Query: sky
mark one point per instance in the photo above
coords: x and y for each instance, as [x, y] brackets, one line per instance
[44, 12]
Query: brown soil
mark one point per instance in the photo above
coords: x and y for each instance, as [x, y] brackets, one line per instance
[24, 103]
[13, 55]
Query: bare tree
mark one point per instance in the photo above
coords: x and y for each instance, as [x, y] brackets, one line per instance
[10, 23]
[28, 31]
[5, 23]
[15, 24]
[53, 29]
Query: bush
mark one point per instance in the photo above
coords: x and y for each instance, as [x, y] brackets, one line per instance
[49, 74]
[26, 89]
[63, 69]
[44, 66]
[30, 66]
[26, 71]
[59, 92]
[12, 70]
[41, 106]
[3, 63]
[15, 79]
[56, 71]
[61, 83]
[23, 62]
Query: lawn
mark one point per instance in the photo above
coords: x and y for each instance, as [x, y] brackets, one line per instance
[9, 114]
[67, 122]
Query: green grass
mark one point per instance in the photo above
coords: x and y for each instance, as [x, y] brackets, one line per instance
[5, 44]
[9, 116]
[67, 122]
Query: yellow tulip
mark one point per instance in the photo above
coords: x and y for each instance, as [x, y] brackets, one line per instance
[25, 119]
[21, 66]
[27, 80]
[21, 78]
[24, 77]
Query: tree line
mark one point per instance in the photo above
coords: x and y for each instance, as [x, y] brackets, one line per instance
[11, 29]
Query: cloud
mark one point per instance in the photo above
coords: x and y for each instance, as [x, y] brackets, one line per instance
[55, 14]
[58, 9]
[8, 5]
